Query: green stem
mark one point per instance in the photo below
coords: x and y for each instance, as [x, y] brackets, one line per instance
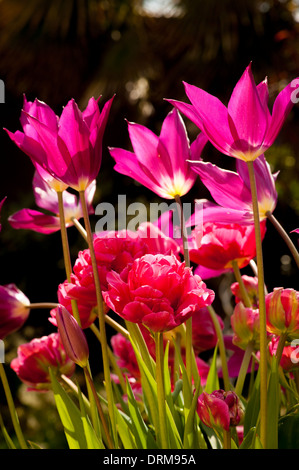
[162, 432]
[243, 369]
[226, 439]
[79, 227]
[138, 339]
[227, 385]
[281, 343]
[262, 307]
[101, 314]
[244, 293]
[66, 252]
[189, 345]
[284, 236]
[48, 305]
[12, 410]
[99, 407]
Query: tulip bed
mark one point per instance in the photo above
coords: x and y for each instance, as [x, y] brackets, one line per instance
[159, 389]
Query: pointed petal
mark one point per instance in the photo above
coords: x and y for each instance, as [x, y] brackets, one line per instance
[189, 111]
[33, 220]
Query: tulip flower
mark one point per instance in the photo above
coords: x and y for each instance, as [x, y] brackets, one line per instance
[160, 163]
[245, 325]
[214, 247]
[282, 312]
[204, 336]
[251, 285]
[36, 357]
[14, 309]
[68, 147]
[289, 357]
[159, 292]
[244, 129]
[220, 409]
[72, 337]
[47, 199]
[232, 191]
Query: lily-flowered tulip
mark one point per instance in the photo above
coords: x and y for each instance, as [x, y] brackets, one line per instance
[251, 285]
[220, 409]
[47, 199]
[72, 337]
[231, 190]
[159, 292]
[244, 129]
[68, 147]
[245, 323]
[282, 312]
[14, 309]
[36, 357]
[214, 247]
[160, 163]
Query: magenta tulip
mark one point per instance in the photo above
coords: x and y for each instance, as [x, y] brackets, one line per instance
[159, 292]
[160, 163]
[14, 309]
[245, 128]
[68, 147]
[220, 409]
[47, 199]
[36, 357]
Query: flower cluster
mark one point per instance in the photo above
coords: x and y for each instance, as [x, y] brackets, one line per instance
[151, 286]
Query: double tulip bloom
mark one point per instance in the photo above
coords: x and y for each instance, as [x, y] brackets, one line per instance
[220, 409]
[244, 129]
[159, 292]
[69, 147]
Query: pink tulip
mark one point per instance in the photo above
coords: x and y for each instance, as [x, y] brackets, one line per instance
[68, 147]
[245, 128]
[251, 286]
[220, 409]
[289, 358]
[36, 357]
[282, 312]
[14, 309]
[232, 190]
[245, 323]
[46, 198]
[215, 245]
[160, 163]
[159, 292]
[204, 336]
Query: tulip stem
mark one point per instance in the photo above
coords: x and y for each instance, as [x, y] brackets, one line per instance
[226, 439]
[244, 293]
[189, 346]
[262, 307]
[227, 385]
[99, 407]
[281, 343]
[79, 227]
[161, 390]
[66, 252]
[101, 313]
[243, 369]
[285, 236]
[11, 406]
[41, 305]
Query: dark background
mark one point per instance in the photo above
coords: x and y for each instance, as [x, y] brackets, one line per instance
[56, 50]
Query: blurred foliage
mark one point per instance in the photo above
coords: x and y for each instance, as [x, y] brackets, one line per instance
[56, 50]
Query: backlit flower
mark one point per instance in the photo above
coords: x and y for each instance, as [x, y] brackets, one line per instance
[159, 292]
[36, 357]
[245, 128]
[46, 198]
[68, 147]
[160, 163]
[245, 323]
[282, 312]
[14, 309]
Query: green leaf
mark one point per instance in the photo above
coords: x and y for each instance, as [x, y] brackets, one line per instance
[78, 431]
[212, 382]
[253, 406]
[124, 425]
[288, 430]
[273, 402]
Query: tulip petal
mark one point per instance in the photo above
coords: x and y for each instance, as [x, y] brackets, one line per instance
[33, 220]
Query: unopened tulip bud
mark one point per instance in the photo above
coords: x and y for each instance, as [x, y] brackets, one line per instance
[282, 310]
[14, 309]
[245, 324]
[220, 409]
[251, 286]
[72, 337]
